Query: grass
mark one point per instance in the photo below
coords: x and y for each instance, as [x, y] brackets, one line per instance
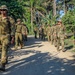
[69, 44]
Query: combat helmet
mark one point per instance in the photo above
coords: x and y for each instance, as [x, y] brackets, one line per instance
[59, 20]
[18, 19]
[3, 7]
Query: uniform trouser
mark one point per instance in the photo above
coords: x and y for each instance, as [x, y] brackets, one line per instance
[4, 40]
[18, 39]
[60, 41]
[35, 34]
[42, 36]
[55, 41]
[39, 35]
[49, 37]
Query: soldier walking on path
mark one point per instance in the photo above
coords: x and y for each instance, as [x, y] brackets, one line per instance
[40, 32]
[24, 32]
[5, 31]
[55, 35]
[13, 34]
[48, 31]
[35, 32]
[60, 35]
[43, 32]
[18, 34]
[52, 34]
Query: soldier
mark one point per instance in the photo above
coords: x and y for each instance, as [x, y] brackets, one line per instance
[13, 32]
[55, 35]
[24, 32]
[40, 32]
[5, 30]
[43, 32]
[48, 31]
[18, 34]
[60, 35]
[52, 34]
[35, 32]
[27, 31]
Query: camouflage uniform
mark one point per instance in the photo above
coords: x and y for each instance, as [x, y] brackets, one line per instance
[12, 32]
[18, 34]
[48, 31]
[43, 32]
[55, 36]
[24, 32]
[60, 36]
[5, 29]
[40, 32]
[52, 34]
[35, 32]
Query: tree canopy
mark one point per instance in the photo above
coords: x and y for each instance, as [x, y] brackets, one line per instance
[36, 12]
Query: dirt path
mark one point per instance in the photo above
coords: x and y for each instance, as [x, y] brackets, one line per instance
[40, 58]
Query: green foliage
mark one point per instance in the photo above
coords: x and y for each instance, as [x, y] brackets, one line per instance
[15, 8]
[69, 20]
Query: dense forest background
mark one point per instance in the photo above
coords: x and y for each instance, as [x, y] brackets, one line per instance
[38, 12]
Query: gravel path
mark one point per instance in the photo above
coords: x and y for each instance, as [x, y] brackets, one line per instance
[40, 58]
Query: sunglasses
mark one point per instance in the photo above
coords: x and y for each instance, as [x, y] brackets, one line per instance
[3, 10]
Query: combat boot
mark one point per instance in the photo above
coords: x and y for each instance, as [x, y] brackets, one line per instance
[22, 45]
[2, 67]
[63, 50]
[6, 61]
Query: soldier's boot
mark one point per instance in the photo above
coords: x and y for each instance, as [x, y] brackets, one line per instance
[2, 67]
[22, 45]
[63, 50]
[14, 48]
[58, 48]
[55, 45]
[6, 61]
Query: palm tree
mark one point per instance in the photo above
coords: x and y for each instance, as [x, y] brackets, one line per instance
[54, 7]
[34, 6]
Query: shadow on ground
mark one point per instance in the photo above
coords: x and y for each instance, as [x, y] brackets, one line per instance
[69, 47]
[38, 63]
[41, 64]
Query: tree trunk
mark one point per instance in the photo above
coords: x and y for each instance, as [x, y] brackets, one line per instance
[54, 7]
[65, 7]
[31, 18]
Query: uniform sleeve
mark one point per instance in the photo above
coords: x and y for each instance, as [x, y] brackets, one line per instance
[22, 29]
[12, 21]
[64, 28]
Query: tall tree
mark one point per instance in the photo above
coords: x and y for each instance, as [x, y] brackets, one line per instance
[54, 7]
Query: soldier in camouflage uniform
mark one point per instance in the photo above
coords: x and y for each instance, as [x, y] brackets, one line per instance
[52, 34]
[48, 31]
[43, 32]
[24, 32]
[5, 30]
[18, 34]
[40, 32]
[35, 32]
[55, 35]
[13, 34]
[60, 35]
